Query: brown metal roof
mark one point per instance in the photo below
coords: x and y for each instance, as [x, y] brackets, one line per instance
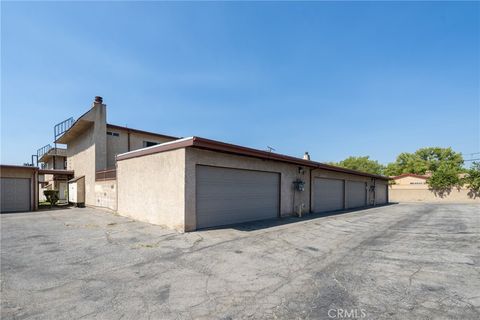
[11, 166]
[409, 175]
[202, 143]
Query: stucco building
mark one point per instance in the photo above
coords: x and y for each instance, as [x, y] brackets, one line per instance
[192, 183]
[92, 145]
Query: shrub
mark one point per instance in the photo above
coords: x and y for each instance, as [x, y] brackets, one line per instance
[52, 196]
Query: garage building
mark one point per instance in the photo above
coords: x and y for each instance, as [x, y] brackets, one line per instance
[18, 188]
[195, 183]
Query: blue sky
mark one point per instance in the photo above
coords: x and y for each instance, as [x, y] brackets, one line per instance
[334, 79]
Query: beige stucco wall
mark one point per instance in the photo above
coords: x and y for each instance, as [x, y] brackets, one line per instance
[81, 160]
[106, 194]
[152, 188]
[289, 173]
[136, 140]
[424, 195]
[118, 145]
[87, 153]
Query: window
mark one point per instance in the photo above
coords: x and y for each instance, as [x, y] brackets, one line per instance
[115, 134]
[149, 143]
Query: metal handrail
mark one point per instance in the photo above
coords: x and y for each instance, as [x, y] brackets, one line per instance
[43, 150]
[61, 127]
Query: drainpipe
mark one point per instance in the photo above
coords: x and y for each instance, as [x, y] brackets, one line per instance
[311, 193]
[128, 136]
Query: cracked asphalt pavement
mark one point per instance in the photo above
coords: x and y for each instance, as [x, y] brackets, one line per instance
[403, 261]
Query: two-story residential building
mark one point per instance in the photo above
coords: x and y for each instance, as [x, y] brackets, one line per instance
[93, 144]
[191, 183]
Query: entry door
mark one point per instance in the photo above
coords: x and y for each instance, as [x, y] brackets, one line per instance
[328, 195]
[62, 191]
[381, 190]
[356, 194]
[227, 196]
[15, 194]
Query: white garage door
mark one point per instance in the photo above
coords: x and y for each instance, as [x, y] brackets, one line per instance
[15, 194]
[328, 194]
[227, 196]
[381, 190]
[356, 194]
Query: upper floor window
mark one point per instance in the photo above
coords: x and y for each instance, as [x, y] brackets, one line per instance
[115, 134]
[148, 143]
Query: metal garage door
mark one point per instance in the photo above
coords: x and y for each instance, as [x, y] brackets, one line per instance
[15, 194]
[328, 194]
[381, 193]
[227, 196]
[356, 194]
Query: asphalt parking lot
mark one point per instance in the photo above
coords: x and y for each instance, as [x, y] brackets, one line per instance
[404, 261]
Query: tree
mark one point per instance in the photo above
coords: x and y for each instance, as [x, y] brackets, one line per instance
[472, 180]
[425, 159]
[364, 164]
[444, 178]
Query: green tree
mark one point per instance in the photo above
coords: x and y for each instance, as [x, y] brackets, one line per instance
[364, 164]
[425, 159]
[472, 180]
[444, 178]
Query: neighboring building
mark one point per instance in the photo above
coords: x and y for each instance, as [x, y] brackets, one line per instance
[410, 187]
[406, 180]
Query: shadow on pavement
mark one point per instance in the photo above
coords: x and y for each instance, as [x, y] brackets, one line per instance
[269, 223]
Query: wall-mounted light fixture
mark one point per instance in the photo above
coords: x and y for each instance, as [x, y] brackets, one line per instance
[299, 185]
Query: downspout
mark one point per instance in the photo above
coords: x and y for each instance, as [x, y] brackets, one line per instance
[128, 136]
[311, 192]
[116, 178]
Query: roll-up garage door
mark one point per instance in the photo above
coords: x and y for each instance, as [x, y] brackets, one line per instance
[381, 190]
[226, 196]
[328, 194]
[356, 194]
[15, 194]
